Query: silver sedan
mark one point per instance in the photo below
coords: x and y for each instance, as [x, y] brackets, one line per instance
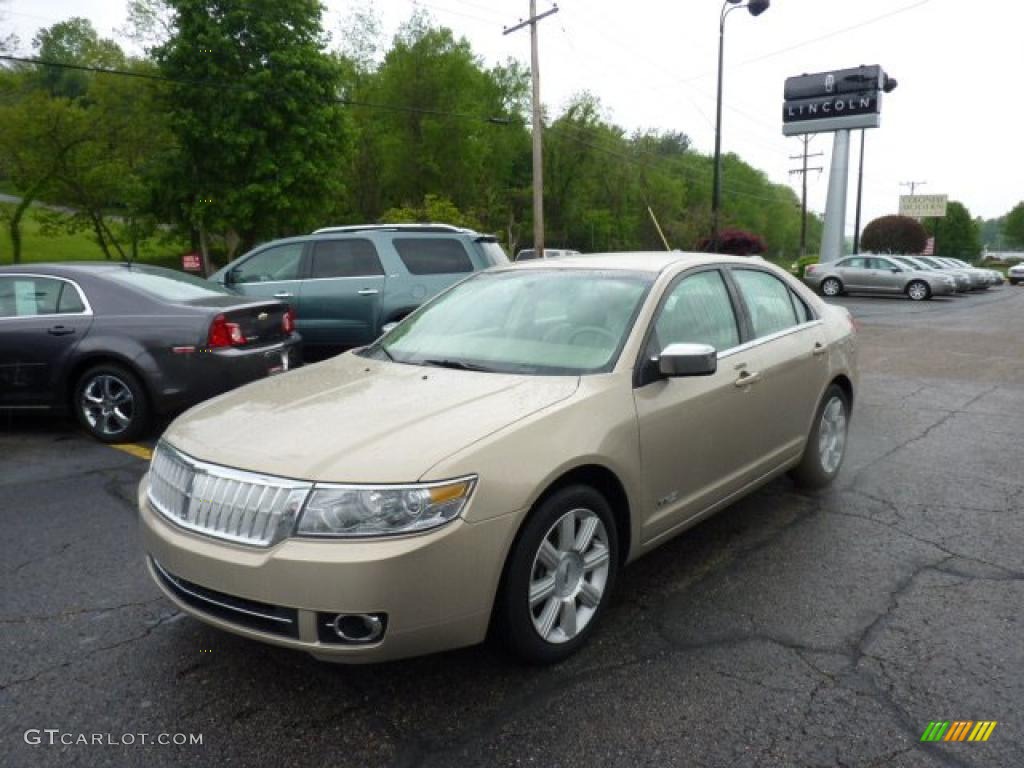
[877, 274]
[962, 279]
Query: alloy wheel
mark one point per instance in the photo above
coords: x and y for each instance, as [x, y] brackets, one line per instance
[918, 291]
[569, 575]
[107, 404]
[830, 287]
[832, 435]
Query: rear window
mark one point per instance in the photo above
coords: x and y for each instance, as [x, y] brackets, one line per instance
[433, 255]
[351, 257]
[492, 251]
[166, 284]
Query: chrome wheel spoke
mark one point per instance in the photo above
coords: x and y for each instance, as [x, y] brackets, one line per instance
[122, 420]
[590, 595]
[567, 618]
[542, 589]
[596, 558]
[567, 532]
[548, 555]
[586, 534]
[546, 622]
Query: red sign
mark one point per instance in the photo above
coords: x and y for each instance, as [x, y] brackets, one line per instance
[192, 262]
[929, 248]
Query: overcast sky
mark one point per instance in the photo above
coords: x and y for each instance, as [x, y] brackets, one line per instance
[955, 121]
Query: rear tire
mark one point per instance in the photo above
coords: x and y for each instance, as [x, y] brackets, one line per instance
[918, 290]
[559, 576]
[826, 445]
[111, 404]
[831, 287]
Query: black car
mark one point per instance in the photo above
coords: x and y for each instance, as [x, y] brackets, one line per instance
[121, 343]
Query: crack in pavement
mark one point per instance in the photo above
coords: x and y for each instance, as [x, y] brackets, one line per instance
[79, 612]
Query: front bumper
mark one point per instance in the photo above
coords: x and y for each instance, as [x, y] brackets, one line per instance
[436, 589]
[943, 288]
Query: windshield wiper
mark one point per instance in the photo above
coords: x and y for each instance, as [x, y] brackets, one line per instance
[458, 365]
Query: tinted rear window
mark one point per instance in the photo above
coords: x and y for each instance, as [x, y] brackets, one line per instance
[433, 255]
[167, 284]
[351, 257]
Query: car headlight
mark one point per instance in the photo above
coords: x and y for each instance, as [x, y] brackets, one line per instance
[363, 510]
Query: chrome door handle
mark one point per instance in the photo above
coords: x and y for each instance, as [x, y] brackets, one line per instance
[819, 349]
[369, 292]
[60, 330]
[284, 295]
[746, 379]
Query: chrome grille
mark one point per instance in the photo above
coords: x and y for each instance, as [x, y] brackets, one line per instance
[230, 504]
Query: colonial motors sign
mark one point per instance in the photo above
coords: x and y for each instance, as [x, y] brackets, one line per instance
[830, 101]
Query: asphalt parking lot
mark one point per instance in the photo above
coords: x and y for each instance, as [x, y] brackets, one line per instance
[789, 630]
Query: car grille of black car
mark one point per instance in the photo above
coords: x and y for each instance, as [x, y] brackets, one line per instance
[262, 617]
[242, 507]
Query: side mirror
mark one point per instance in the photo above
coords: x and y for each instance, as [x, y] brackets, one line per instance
[688, 360]
[895, 270]
[231, 276]
[386, 328]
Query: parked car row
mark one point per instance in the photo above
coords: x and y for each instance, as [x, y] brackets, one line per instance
[917, 277]
[1015, 274]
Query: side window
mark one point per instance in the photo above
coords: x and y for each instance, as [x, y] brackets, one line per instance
[433, 255]
[803, 312]
[697, 311]
[882, 264]
[351, 257]
[853, 263]
[278, 263]
[69, 302]
[29, 296]
[768, 300]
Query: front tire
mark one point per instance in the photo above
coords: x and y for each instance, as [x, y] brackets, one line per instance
[559, 577]
[826, 445]
[918, 290]
[111, 404]
[831, 287]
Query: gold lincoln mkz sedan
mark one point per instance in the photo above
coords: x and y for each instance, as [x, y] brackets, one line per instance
[496, 458]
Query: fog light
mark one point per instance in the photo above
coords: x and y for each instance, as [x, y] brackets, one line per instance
[352, 628]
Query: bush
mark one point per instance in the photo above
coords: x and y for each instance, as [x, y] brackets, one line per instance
[894, 234]
[800, 265]
[734, 242]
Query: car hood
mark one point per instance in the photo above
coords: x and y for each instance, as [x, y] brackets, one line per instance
[352, 419]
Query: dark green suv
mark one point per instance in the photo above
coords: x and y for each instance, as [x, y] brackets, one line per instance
[346, 283]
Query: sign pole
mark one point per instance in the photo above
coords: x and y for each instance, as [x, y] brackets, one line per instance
[833, 238]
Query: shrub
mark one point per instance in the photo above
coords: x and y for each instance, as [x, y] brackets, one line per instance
[734, 242]
[894, 234]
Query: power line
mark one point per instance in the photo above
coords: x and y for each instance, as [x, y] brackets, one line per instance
[802, 171]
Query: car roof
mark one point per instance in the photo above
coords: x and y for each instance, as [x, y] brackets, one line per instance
[68, 268]
[635, 261]
[421, 228]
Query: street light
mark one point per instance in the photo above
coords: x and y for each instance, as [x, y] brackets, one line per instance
[756, 8]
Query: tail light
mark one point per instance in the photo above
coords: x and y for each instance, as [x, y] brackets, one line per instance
[810, 268]
[224, 333]
[288, 321]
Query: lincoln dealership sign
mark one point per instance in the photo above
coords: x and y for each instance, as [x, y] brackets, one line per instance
[843, 99]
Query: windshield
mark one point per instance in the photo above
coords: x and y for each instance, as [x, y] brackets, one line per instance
[167, 284]
[544, 322]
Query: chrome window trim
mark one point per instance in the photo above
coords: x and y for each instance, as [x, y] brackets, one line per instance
[87, 312]
[177, 583]
[766, 339]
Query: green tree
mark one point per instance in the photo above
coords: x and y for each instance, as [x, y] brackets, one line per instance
[894, 234]
[73, 42]
[256, 116]
[957, 234]
[1013, 227]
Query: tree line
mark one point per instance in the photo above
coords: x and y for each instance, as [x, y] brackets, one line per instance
[243, 121]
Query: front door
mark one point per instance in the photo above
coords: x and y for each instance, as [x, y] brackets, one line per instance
[271, 273]
[340, 302]
[42, 320]
[695, 432]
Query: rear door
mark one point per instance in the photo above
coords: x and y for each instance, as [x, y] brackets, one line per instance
[853, 273]
[42, 320]
[789, 358]
[882, 278]
[341, 297]
[431, 264]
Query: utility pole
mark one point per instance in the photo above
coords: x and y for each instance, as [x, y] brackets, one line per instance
[538, 127]
[913, 185]
[806, 139]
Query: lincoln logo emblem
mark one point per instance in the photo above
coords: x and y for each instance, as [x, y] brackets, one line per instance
[262, 316]
[830, 83]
